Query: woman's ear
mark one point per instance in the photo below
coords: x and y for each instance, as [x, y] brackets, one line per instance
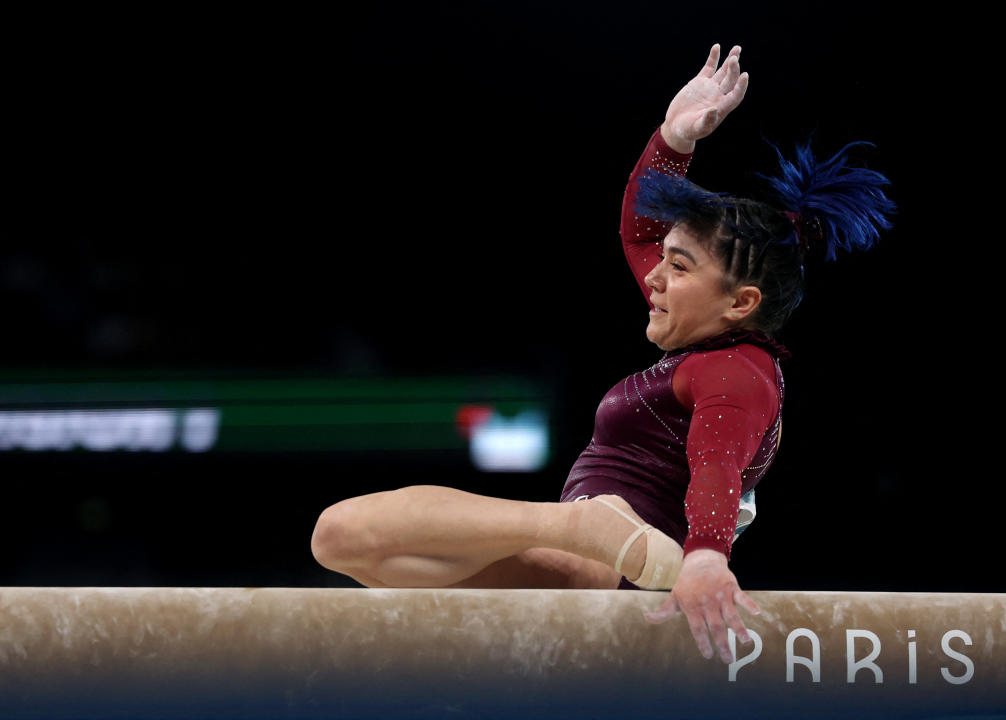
[747, 298]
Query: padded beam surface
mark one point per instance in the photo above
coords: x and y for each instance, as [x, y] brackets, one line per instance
[428, 653]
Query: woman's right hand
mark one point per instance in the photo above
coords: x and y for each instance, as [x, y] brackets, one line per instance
[702, 104]
[707, 593]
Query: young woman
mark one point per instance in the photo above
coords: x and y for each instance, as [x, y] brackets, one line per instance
[655, 497]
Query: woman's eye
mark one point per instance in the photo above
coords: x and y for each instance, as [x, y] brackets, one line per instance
[676, 266]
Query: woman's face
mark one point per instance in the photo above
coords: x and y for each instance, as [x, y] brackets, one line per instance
[689, 301]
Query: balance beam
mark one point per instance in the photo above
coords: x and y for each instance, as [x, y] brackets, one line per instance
[434, 653]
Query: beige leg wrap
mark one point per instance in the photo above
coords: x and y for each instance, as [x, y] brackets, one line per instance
[663, 555]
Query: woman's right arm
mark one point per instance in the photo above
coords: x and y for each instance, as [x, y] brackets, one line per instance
[641, 235]
[697, 110]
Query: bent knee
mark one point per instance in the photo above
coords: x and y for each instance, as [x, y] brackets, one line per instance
[342, 539]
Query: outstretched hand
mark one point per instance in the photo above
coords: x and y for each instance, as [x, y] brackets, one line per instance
[708, 594]
[702, 104]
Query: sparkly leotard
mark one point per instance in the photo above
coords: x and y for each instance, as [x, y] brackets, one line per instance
[682, 440]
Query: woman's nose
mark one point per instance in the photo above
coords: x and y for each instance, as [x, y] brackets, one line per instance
[653, 279]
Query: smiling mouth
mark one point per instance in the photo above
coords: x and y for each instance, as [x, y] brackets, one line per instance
[657, 310]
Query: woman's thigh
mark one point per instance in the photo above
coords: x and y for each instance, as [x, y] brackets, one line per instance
[544, 568]
[535, 568]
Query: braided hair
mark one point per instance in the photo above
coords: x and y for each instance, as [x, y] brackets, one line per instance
[823, 204]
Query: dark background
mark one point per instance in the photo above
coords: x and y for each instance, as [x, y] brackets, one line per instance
[409, 189]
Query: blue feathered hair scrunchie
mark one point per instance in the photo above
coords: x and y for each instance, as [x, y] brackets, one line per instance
[847, 203]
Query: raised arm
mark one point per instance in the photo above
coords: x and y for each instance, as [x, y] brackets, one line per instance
[698, 109]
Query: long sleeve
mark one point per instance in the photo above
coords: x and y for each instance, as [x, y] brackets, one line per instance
[735, 401]
[640, 233]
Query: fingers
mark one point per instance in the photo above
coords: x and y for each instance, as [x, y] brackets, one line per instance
[668, 610]
[717, 628]
[742, 599]
[733, 98]
[733, 84]
[730, 71]
[707, 615]
[734, 622]
[711, 62]
[732, 65]
[697, 624]
[712, 618]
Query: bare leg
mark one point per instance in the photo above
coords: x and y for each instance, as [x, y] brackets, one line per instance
[544, 568]
[431, 536]
[534, 568]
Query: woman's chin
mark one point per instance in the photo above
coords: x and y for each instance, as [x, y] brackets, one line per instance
[656, 340]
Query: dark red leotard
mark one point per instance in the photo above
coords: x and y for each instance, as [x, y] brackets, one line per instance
[682, 440]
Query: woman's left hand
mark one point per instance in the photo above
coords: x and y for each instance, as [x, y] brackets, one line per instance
[702, 104]
[707, 593]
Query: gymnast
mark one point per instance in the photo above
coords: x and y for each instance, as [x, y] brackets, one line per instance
[655, 500]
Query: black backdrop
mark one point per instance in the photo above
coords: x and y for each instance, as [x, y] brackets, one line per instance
[419, 189]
